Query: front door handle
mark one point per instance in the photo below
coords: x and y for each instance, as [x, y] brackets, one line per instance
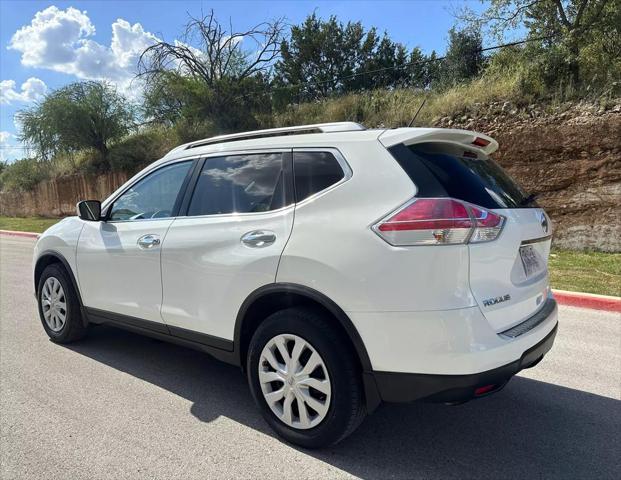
[258, 238]
[148, 241]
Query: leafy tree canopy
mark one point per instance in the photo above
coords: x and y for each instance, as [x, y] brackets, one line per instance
[77, 116]
[326, 57]
[578, 42]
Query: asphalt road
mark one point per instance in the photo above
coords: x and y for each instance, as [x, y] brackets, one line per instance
[118, 405]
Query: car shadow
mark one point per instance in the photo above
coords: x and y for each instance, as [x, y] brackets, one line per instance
[530, 429]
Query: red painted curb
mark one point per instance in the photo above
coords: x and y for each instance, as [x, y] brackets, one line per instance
[586, 300]
[14, 233]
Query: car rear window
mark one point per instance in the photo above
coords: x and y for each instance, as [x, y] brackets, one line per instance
[314, 171]
[481, 181]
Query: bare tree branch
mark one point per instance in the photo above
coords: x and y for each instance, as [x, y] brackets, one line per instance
[501, 16]
[581, 9]
[516, 14]
[561, 12]
[209, 52]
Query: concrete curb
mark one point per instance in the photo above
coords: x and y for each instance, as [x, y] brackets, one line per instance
[564, 297]
[15, 233]
[588, 300]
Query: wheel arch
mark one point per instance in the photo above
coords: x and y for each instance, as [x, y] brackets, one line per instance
[49, 257]
[271, 298]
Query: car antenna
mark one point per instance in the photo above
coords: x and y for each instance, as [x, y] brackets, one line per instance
[417, 112]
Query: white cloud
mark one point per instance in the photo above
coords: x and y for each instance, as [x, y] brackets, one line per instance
[60, 40]
[4, 137]
[234, 42]
[51, 39]
[31, 90]
[129, 41]
[8, 150]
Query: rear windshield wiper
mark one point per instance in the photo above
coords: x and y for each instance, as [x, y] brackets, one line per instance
[528, 199]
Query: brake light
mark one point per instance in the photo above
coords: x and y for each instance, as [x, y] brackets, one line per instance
[439, 221]
[480, 142]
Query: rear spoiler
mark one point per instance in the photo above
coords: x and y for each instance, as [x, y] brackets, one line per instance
[467, 138]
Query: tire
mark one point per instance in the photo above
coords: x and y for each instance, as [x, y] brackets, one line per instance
[72, 327]
[342, 404]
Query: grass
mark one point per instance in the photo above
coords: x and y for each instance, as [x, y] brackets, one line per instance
[396, 107]
[591, 272]
[27, 224]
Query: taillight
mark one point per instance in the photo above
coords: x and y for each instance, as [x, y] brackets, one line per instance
[439, 221]
[488, 224]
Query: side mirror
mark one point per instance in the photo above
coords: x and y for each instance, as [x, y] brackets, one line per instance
[89, 210]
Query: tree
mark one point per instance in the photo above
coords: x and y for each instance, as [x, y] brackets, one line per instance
[418, 68]
[432, 71]
[464, 59]
[209, 52]
[564, 28]
[79, 115]
[326, 57]
[318, 55]
[213, 73]
[230, 105]
[387, 66]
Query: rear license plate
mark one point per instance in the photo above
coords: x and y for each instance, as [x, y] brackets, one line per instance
[530, 260]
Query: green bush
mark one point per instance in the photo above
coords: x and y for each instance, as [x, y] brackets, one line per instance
[140, 149]
[185, 131]
[83, 161]
[23, 174]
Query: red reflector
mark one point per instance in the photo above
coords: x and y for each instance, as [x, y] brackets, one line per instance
[429, 214]
[485, 389]
[480, 142]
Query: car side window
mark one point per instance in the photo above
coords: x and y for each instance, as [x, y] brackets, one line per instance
[253, 182]
[152, 197]
[314, 172]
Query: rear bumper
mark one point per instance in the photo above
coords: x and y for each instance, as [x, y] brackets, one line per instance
[447, 342]
[408, 387]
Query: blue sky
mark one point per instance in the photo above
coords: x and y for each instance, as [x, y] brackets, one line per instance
[44, 45]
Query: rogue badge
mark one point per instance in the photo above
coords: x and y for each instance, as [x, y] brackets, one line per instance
[493, 301]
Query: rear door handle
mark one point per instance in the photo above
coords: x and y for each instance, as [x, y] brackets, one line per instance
[258, 238]
[148, 241]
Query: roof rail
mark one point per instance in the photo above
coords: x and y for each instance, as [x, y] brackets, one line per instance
[275, 132]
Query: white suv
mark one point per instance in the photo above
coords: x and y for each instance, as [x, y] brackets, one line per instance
[339, 267]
